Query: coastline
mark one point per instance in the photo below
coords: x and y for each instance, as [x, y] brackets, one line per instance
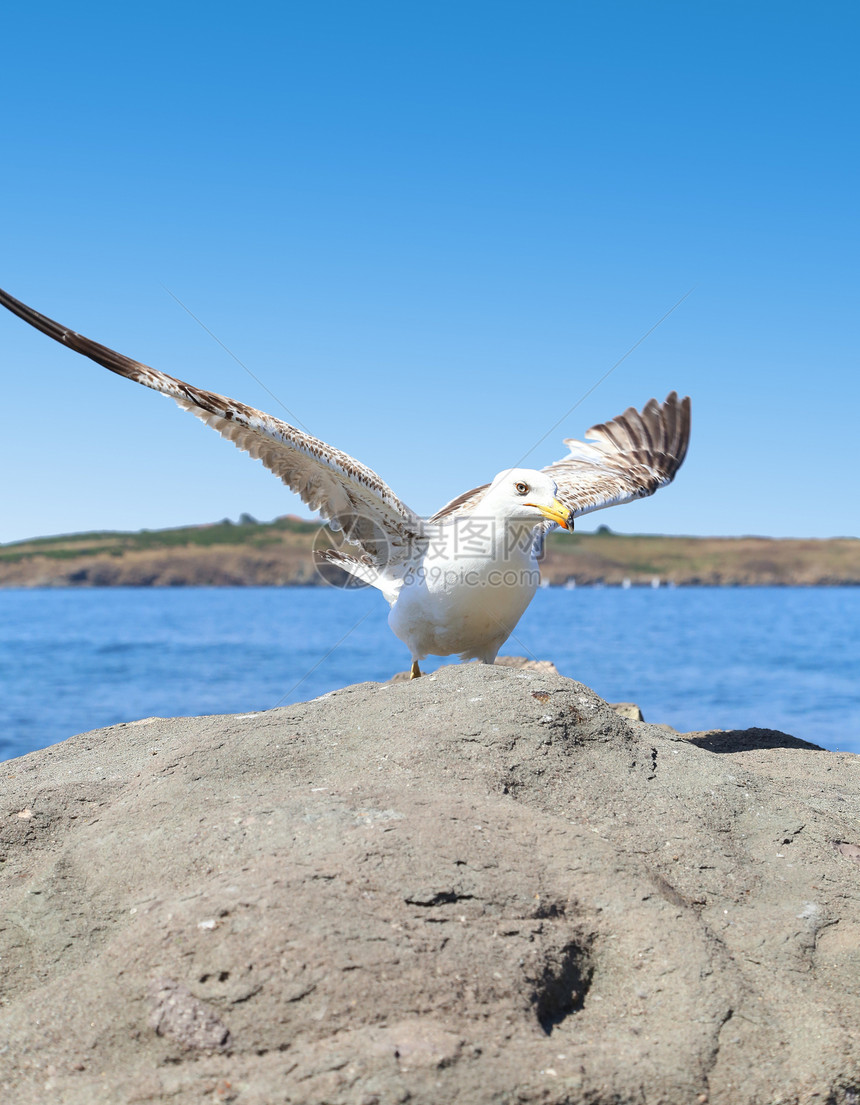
[280, 553]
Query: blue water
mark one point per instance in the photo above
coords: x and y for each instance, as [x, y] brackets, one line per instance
[697, 658]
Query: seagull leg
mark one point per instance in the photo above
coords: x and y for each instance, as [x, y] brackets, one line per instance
[416, 671]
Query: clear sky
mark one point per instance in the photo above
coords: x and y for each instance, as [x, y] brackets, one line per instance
[429, 229]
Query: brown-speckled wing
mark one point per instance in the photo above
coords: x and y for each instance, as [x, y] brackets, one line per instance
[463, 504]
[350, 496]
[625, 459]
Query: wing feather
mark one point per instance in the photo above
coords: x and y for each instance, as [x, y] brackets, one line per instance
[350, 496]
[462, 504]
[628, 458]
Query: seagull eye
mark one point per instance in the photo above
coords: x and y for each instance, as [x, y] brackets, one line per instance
[522, 488]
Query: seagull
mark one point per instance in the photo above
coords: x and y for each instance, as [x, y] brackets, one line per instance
[458, 582]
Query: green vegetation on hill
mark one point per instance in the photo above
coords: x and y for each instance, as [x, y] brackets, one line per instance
[280, 553]
[252, 535]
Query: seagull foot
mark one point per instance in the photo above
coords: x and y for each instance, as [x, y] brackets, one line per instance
[416, 671]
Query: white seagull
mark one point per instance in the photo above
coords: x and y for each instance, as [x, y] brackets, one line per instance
[460, 581]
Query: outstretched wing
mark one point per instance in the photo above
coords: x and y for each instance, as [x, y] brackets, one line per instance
[625, 459]
[463, 504]
[348, 495]
[628, 458]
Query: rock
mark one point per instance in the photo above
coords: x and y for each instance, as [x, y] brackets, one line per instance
[484, 886]
[627, 709]
[520, 662]
[176, 1012]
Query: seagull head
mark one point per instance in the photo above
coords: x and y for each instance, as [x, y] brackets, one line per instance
[525, 495]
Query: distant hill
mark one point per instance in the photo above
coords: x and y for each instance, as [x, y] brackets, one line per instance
[279, 553]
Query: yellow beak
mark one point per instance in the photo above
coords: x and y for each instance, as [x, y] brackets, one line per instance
[556, 512]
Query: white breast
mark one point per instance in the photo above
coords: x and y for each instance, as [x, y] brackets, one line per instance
[467, 594]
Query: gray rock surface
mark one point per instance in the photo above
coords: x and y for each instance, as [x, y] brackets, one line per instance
[481, 886]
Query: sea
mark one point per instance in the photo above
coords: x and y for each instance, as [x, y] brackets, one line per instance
[696, 658]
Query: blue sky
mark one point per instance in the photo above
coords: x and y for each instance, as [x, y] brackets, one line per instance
[429, 229]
